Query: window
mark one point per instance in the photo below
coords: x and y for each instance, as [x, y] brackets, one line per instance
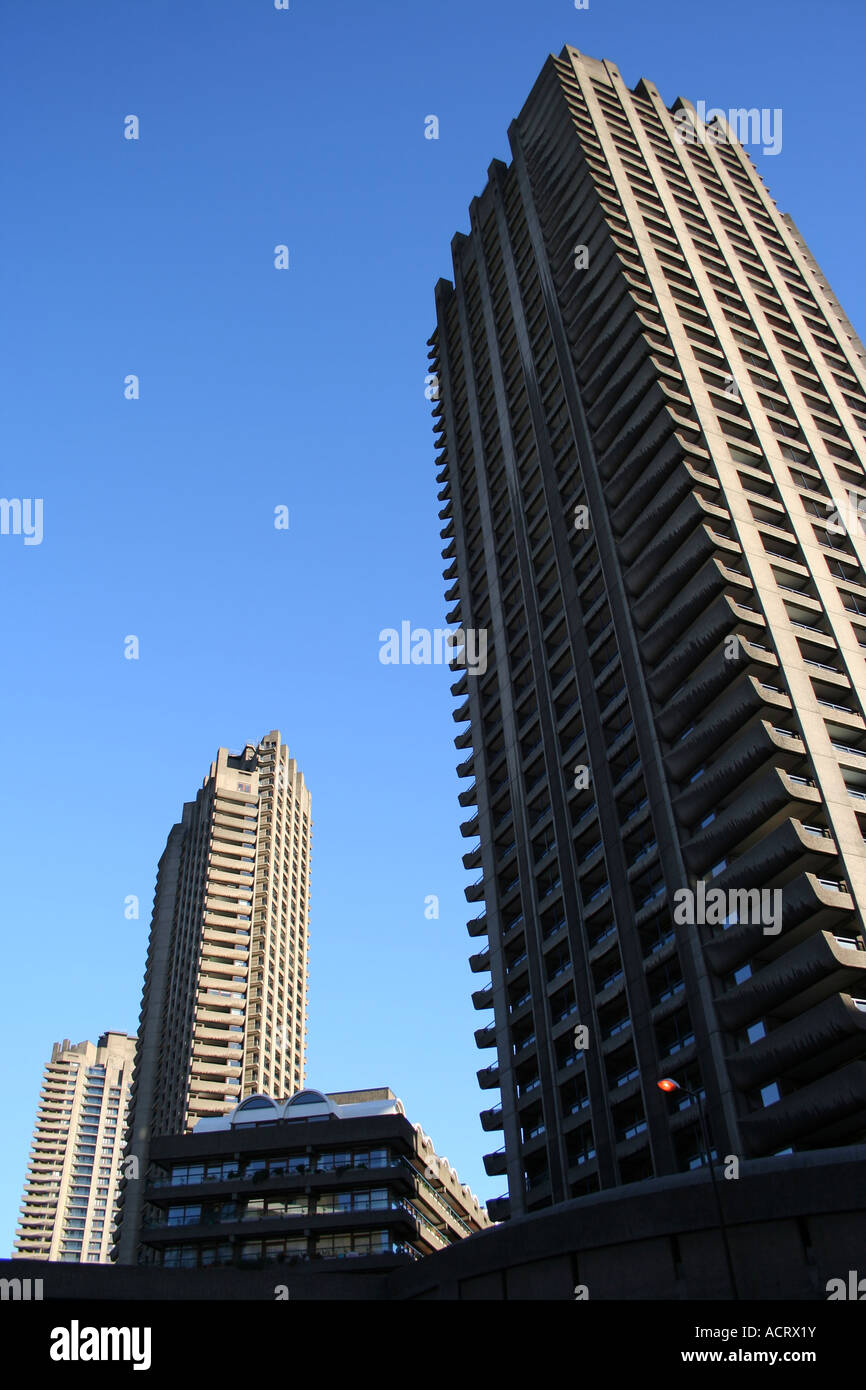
[261, 1208]
[333, 1162]
[358, 1199]
[352, 1243]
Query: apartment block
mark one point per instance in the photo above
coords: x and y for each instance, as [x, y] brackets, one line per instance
[224, 1003]
[71, 1188]
[321, 1179]
[651, 414]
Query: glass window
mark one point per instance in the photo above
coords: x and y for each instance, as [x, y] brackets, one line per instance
[334, 1201]
[374, 1200]
[285, 1247]
[187, 1173]
[184, 1215]
[352, 1243]
[332, 1162]
[220, 1254]
[180, 1256]
[288, 1206]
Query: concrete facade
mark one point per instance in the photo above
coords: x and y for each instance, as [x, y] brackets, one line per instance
[316, 1180]
[72, 1184]
[651, 414]
[223, 1011]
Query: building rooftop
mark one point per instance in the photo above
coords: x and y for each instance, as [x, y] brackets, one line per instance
[305, 1105]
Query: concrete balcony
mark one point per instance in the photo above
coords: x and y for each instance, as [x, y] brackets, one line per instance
[483, 998]
[609, 339]
[830, 1108]
[204, 1034]
[820, 966]
[643, 434]
[763, 803]
[469, 797]
[491, 1119]
[499, 1208]
[480, 962]
[475, 892]
[759, 742]
[810, 1044]
[683, 508]
[774, 858]
[495, 1164]
[488, 1077]
[689, 576]
[690, 703]
[674, 641]
[224, 930]
[624, 386]
[809, 904]
[634, 474]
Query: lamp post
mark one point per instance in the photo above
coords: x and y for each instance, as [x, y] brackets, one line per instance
[668, 1085]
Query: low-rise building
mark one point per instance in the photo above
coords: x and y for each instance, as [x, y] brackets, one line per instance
[314, 1178]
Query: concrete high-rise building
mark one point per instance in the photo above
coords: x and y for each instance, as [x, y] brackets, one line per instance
[652, 409]
[223, 1011]
[71, 1186]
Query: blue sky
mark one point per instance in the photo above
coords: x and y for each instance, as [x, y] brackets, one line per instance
[260, 388]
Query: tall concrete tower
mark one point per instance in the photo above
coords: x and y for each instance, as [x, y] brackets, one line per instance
[223, 1011]
[72, 1184]
[651, 410]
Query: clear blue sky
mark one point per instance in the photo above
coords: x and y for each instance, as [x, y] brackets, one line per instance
[259, 388]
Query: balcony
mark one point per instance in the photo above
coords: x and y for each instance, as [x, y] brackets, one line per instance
[480, 962]
[483, 998]
[764, 804]
[821, 965]
[826, 1035]
[495, 1164]
[491, 1119]
[833, 1103]
[499, 1208]
[469, 797]
[488, 1077]
[475, 892]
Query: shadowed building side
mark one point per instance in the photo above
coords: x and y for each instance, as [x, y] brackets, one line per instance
[650, 410]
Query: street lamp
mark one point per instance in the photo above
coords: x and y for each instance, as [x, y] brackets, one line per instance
[668, 1085]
